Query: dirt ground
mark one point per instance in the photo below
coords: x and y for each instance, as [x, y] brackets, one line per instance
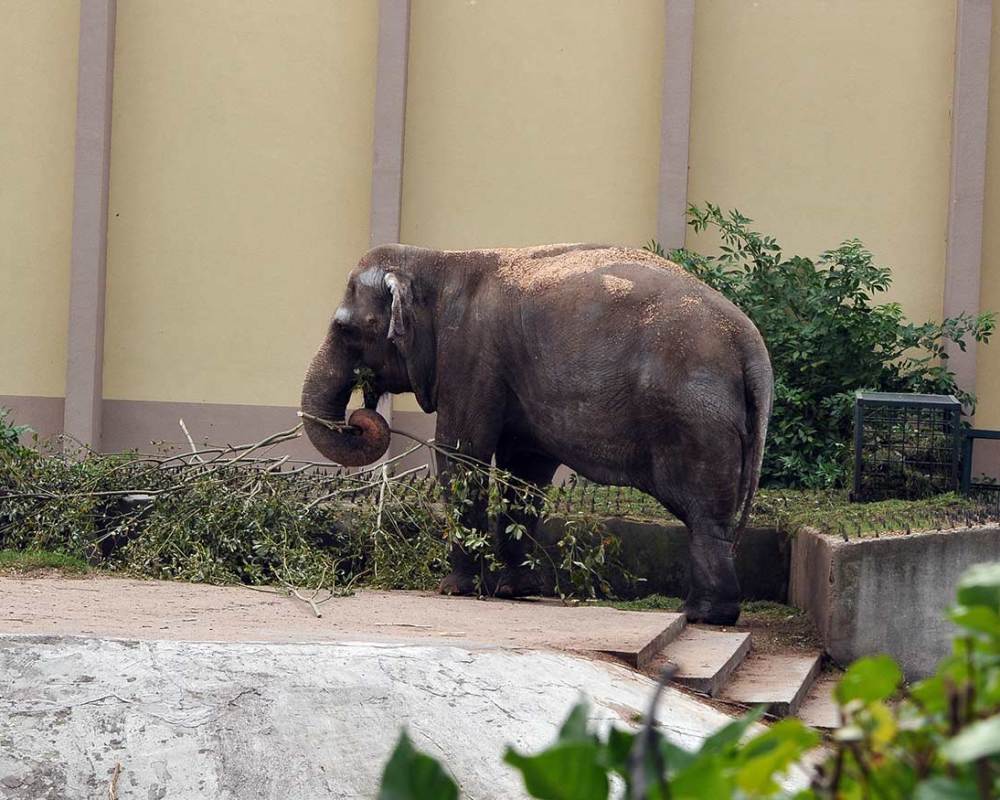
[780, 629]
[89, 603]
[47, 601]
[102, 606]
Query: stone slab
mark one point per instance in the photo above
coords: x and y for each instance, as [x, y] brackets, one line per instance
[252, 721]
[886, 595]
[114, 607]
[819, 709]
[780, 682]
[706, 658]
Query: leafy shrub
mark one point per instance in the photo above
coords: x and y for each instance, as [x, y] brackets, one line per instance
[227, 518]
[938, 739]
[10, 433]
[827, 337]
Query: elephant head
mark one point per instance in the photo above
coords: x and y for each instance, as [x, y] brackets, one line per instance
[384, 326]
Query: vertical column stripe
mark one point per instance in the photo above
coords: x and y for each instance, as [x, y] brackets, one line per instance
[85, 347]
[968, 174]
[389, 129]
[675, 128]
[390, 120]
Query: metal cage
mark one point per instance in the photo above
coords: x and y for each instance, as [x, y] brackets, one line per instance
[906, 445]
[986, 490]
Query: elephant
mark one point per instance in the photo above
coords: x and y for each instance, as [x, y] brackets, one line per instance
[613, 361]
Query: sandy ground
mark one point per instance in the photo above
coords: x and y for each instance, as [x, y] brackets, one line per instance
[133, 609]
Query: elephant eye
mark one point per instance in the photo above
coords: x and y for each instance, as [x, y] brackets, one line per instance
[343, 325]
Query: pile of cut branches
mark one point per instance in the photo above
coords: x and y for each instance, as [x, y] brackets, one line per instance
[238, 514]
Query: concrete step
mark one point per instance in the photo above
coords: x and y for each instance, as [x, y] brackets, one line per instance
[779, 681]
[819, 709]
[636, 637]
[705, 658]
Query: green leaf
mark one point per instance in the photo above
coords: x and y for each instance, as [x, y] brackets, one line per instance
[705, 778]
[412, 775]
[977, 618]
[980, 586]
[730, 734]
[617, 749]
[930, 693]
[574, 729]
[869, 679]
[976, 741]
[945, 789]
[770, 754]
[674, 757]
[567, 771]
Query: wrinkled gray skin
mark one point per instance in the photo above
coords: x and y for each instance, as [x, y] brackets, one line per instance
[614, 362]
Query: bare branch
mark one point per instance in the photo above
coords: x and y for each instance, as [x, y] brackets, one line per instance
[194, 450]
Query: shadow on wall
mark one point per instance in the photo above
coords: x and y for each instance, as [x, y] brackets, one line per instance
[658, 554]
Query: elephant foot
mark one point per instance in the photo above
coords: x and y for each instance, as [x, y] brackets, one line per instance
[518, 582]
[458, 583]
[711, 613]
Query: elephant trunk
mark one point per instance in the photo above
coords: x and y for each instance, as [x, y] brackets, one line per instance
[325, 393]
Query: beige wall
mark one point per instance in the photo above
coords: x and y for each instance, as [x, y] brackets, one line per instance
[240, 186]
[38, 48]
[988, 357]
[830, 120]
[532, 122]
[242, 142]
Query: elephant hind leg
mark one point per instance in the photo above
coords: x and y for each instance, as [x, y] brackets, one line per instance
[704, 494]
[713, 586]
[516, 529]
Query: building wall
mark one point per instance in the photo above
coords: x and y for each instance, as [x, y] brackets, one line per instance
[532, 122]
[240, 191]
[828, 121]
[38, 70]
[241, 163]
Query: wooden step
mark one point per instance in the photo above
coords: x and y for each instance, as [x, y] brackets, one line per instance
[778, 681]
[705, 658]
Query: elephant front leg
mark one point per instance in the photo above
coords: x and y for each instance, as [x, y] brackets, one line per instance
[467, 553]
[530, 474]
[464, 477]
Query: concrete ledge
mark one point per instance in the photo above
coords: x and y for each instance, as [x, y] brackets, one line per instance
[886, 595]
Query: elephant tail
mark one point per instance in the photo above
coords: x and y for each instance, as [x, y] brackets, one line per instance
[759, 384]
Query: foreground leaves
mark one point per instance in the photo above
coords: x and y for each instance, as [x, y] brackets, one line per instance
[979, 740]
[570, 770]
[412, 775]
[869, 679]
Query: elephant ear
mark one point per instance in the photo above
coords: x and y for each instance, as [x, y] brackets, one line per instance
[412, 332]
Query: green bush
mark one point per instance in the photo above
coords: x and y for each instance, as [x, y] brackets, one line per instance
[226, 517]
[936, 740]
[827, 337]
[10, 434]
